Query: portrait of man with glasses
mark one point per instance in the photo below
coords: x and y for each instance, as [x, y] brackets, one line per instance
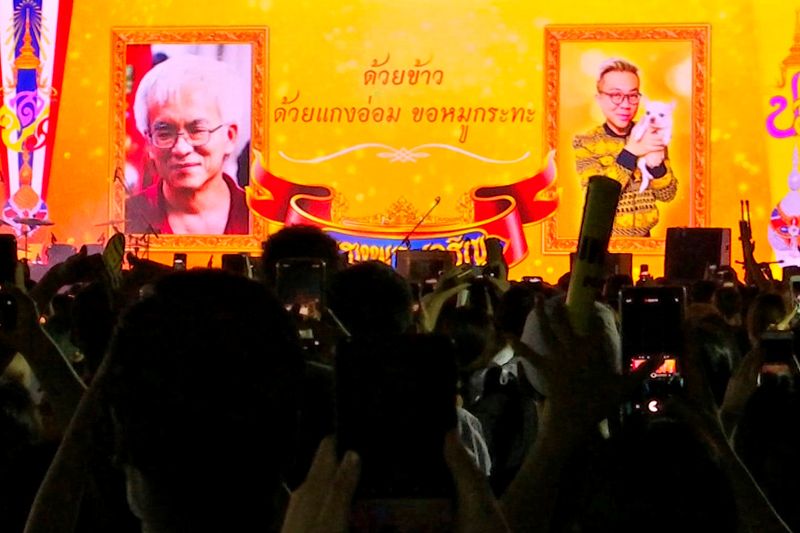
[190, 117]
[609, 150]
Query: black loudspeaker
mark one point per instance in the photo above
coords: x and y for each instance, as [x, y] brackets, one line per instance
[94, 249]
[58, 253]
[789, 271]
[689, 251]
[614, 264]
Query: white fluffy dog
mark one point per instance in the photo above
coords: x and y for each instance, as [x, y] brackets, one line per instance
[658, 116]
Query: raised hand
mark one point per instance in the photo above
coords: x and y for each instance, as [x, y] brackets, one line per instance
[741, 386]
[581, 387]
[476, 508]
[579, 374]
[322, 503]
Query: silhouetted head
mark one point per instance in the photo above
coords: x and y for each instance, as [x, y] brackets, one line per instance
[371, 299]
[299, 241]
[766, 309]
[203, 384]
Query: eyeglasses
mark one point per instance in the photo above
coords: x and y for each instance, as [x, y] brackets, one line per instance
[617, 98]
[166, 136]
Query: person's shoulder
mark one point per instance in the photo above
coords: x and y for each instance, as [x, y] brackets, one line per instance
[141, 208]
[236, 190]
[239, 216]
[135, 203]
[589, 137]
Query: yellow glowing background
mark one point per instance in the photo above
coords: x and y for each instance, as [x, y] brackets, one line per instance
[491, 53]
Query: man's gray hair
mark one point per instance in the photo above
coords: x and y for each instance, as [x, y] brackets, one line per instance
[165, 80]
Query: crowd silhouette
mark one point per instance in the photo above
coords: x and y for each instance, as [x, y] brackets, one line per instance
[145, 399]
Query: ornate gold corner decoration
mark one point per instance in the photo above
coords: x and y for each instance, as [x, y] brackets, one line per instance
[257, 38]
[699, 35]
[339, 207]
[466, 208]
[400, 213]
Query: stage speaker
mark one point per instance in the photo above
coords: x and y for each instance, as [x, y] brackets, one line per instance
[614, 264]
[94, 248]
[789, 271]
[690, 250]
[58, 253]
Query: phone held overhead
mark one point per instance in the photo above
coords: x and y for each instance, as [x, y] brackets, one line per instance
[8, 269]
[652, 319]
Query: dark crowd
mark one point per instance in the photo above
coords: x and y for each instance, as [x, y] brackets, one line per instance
[297, 393]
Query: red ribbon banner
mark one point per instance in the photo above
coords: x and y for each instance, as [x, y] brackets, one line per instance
[500, 211]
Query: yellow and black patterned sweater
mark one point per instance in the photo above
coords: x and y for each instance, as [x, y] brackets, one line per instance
[602, 152]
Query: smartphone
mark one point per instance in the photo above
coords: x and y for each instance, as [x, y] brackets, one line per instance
[423, 266]
[300, 285]
[8, 270]
[644, 275]
[179, 261]
[8, 258]
[725, 274]
[236, 264]
[395, 401]
[496, 266]
[779, 357]
[652, 319]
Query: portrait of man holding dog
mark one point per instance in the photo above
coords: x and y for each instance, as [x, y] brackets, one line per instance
[638, 160]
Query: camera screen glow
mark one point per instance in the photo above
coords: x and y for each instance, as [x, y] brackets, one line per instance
[668, 368]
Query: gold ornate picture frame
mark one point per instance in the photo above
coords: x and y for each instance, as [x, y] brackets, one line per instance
[134, 52]
[674, 65]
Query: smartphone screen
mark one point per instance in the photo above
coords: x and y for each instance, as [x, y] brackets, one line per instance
[427, 270]
[179, 261]
[300, 286]
[652, 319]
[235, 263]
[423, 266]
[8, 258]
[395, 401]
[668, 368]
[779, 359]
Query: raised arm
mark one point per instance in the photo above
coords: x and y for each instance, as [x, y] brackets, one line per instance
[57, 504]
[699, 410]
[581, 388]
[61, 384]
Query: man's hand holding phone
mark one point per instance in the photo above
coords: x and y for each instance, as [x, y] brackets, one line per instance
[19, 320]
[652, 319]
[581, 384]
[324, 502]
